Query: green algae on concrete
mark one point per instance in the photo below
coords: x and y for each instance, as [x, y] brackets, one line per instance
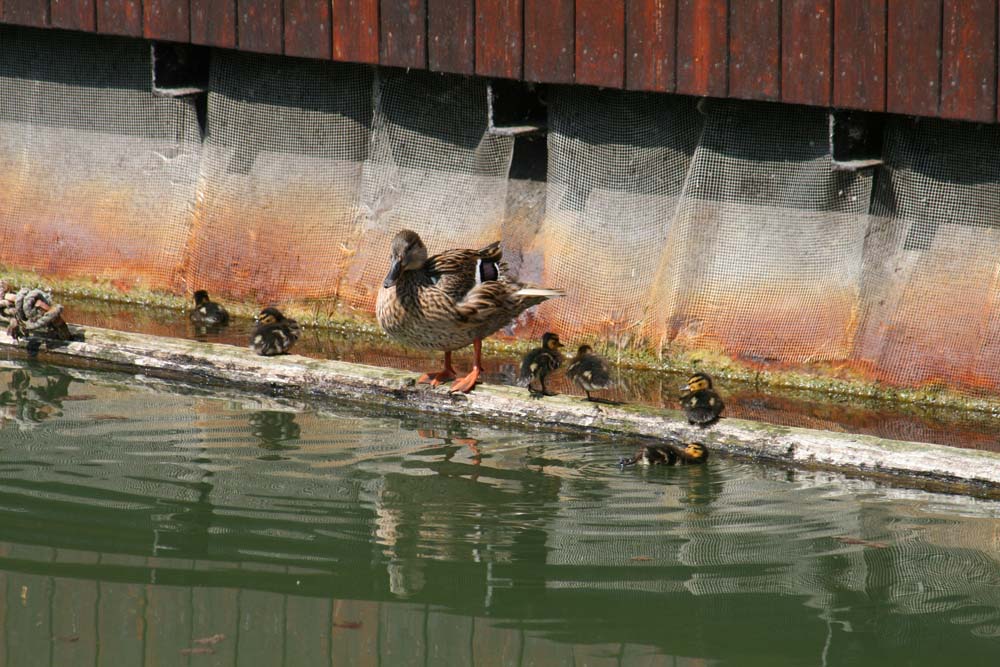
[323, 380]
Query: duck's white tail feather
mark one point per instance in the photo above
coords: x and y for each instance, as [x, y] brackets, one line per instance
[540, 292]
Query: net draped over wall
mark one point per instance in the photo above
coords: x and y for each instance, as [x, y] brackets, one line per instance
[718, 225]
[97, 176]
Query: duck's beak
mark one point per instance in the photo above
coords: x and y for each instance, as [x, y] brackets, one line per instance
[393, 275]
[685, 386]
[559, 344]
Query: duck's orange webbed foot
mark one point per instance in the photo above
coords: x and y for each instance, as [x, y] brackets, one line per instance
[444, 375]
[434, 379]
[466, 384]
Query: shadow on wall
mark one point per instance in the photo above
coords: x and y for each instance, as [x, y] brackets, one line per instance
[673, 226]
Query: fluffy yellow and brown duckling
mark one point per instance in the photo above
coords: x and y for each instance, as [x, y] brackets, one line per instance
[541, 361]
[207, 312]
[667, 454]
[589, 371]
[449, 301]
[274, 333]
[701, 404]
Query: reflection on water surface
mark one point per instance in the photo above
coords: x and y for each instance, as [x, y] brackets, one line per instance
[149, 525]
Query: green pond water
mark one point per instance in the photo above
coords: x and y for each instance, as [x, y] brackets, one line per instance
[144, 523]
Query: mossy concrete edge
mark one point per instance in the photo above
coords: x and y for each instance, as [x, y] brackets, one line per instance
[906, 462]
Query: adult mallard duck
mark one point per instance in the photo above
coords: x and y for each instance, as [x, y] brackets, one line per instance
[541, 361]
[207, 312]
[274, 333]
[448, 301]
[701, 404]
[667, 454]
[589, 371]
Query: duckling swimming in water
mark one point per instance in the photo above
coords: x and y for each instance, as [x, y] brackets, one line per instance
[701, 404]
[450, 300]
[541, 361]
[206, 312]
[274, 334]
[667, 454]
[589, 371]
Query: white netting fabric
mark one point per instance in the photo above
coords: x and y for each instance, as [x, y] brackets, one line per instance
[765, 252]
[279, 180]
[617, 163]
[97, 175]
[932, 269]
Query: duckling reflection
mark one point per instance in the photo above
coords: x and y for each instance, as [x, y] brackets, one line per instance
[29, 404]
[273, 429]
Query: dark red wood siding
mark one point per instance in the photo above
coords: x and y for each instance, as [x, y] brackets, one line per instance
[402, 41]
[913, 64]
[355, 30]
[807, 51]
[859, 54]
[213, 23]
[451, 36]
[167, 20]
[650, 43]
[25, 12]
[919, 57]
[307, 29]
[600, 43]
[549, 40]
[260, 25]
[74, 14]
[499, 39]
[968, 61]
[120, 17]
[702, 47]
[755, 49]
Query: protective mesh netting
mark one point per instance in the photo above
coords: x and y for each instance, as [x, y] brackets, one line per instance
[282, 163]
[932, 269]
[719, 226]
[97, 175]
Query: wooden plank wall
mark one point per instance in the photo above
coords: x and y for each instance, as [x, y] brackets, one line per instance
[919, 57]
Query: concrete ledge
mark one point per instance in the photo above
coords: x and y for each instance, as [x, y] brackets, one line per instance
[910, 463]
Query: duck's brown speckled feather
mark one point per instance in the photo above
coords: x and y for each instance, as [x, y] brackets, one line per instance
[442, 307]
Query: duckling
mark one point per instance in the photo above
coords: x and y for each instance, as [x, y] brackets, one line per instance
[589, 371]
[274, 334]
[541, 361]
[206, 312]
[450, 300]
[667, 454]
[701, 404]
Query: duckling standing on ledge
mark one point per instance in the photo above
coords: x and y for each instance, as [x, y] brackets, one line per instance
[274, 334]
[701, 404]
[667, 454]
[541, 361]
[589, 371]
[206, 312]
[450, 300]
